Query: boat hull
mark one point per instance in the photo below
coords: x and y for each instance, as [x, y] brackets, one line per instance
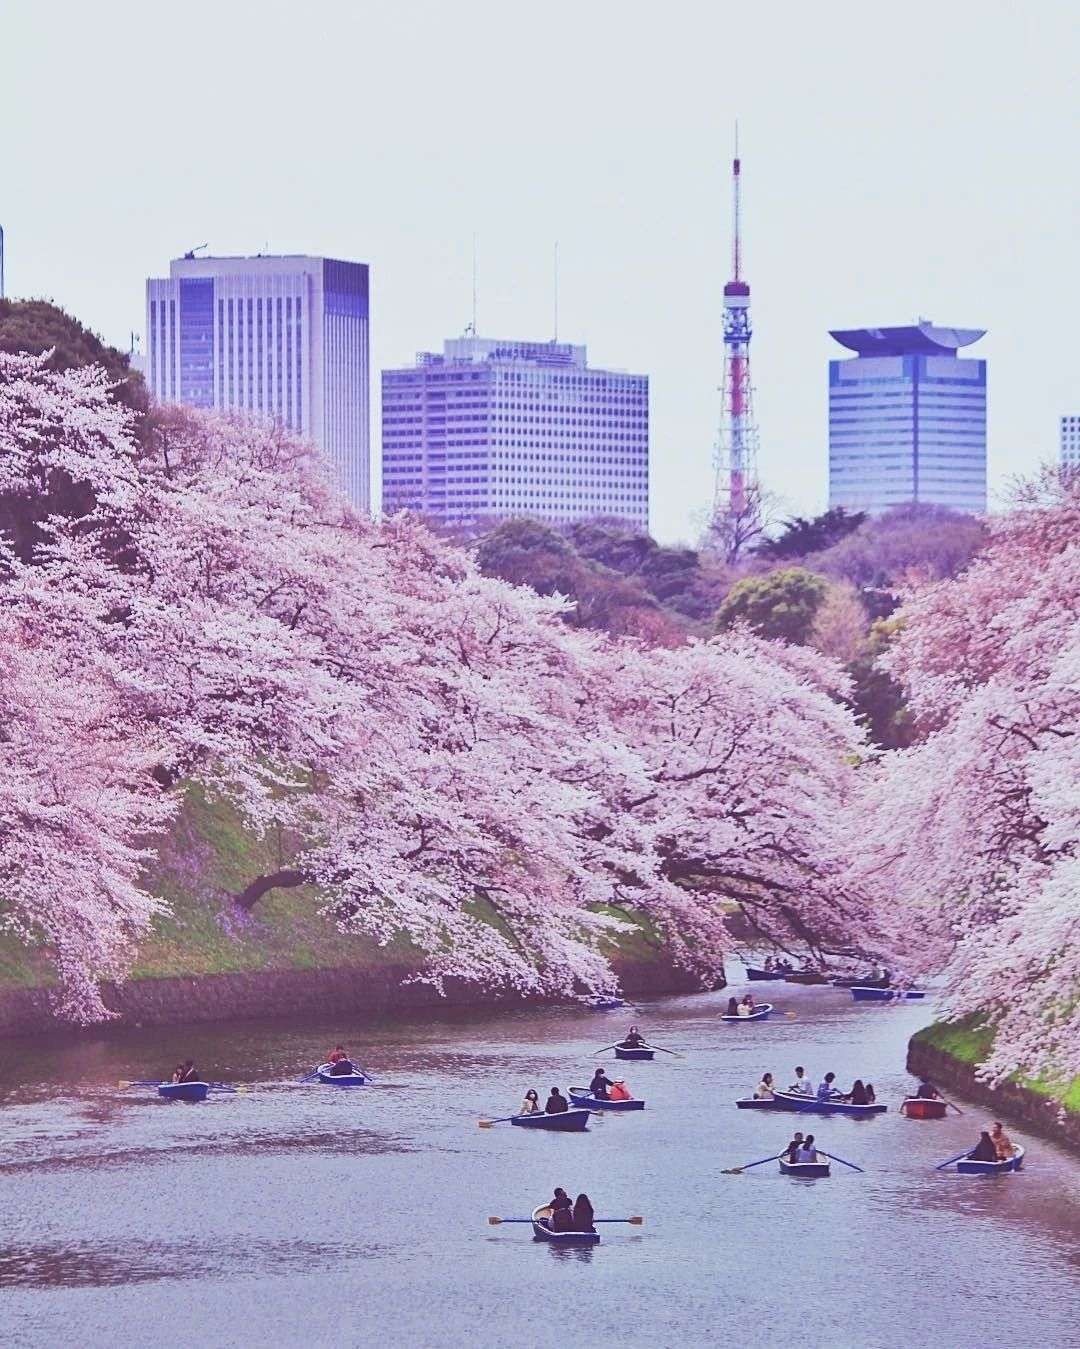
[603, 1004]
[863, 994]
[635, 1055]
[543, 1233]
[853, 981]
[811, 1170]
[810, 1105]
[752, 1103]
[966, 1167]
[806, 977]
[922, 1107]
[184, 1091]
[573, 1121]
[761, 1014]
[763, 976]
[581, 1097]
[353, 1079]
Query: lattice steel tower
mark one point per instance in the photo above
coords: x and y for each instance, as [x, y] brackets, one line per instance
[736, 448]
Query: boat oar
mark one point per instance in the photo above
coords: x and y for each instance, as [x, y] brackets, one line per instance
[661, 1049]
[228, 1087]
[942, 1165]
[157, 1082]
[487, 1123]
[310, 1077]
[833, 1157]
[637, 1220]
[954, 1107]
[738, 1170]
[606, 1048]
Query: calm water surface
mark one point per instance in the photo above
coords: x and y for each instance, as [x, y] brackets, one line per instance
[309, 1215]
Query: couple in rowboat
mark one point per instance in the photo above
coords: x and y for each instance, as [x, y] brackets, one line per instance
[993, 1146]
[567, 1217]
[340, 1063]
[745, 1008]
[604, 1089]
[802, 1149]
[860, 1094]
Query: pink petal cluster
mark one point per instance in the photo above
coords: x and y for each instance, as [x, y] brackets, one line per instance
[471, 773]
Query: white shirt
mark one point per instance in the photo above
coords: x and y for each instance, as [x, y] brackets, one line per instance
[803, 1087]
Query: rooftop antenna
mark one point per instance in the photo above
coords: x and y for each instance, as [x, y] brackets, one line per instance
[556, 336]
[197, 249]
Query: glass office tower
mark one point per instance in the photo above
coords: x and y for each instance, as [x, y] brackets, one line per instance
[284, 338]
[907, 419]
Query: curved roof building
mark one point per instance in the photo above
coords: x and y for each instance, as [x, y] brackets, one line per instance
[907, 419]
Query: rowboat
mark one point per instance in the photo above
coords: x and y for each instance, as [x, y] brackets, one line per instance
[810, 1105]
[184, 1091]
[600, 1004]
[923, 1107]
[857, 981]
[583, 1097]
[353, 1079]
[621, 1053]
[806, 977]
[760, 1013]
[541, 1232]
[966, 1167]
[861, 993]
[565, 1122]
[814, 1170]
[763, 976]
[767, 1103]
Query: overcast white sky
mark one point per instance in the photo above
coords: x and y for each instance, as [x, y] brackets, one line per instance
[898, 160]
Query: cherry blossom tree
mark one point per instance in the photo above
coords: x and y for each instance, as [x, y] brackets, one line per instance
[971, 835]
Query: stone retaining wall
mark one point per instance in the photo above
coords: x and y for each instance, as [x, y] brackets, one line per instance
[303, 993]
[1010, 1101]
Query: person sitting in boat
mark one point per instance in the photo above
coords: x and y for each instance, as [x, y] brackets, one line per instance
[600, 1085]
[732, 1007]
[857, 1094]
[1002, 1142]
[338, 1053]
[764, 1089]
[342, 1067]
[188, 1072]
[826, 1091]
[531, 1104]
[770, 965]
[583, 1214]
[925, 1092]
[871, 1095]
[807, 1152]
[746, 1007]
[556, 1102]
[793, 1147]
[619, 1091]
[562, 1212]
[802, 1086]
[177, 1073]
[633, 1039]
[984, 1150]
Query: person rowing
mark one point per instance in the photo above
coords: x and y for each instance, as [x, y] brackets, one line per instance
[826, 1091]
[926, 1092]
[802, 1086]
[562, 1211]
[186, 1072]
[600, 1085]
[633, 1039]
[984, 1150]
[793, 1147]
[342, 1067]
[557, 1104]
[1002, 1142]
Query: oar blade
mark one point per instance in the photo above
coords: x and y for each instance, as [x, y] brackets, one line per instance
[637, 1220]
[485, 1124]
[494, 1221]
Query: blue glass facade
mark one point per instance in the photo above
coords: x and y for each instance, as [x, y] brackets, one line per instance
[197, 342]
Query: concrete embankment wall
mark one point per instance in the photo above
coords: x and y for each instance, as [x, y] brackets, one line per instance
[303, 993]
[1010, 1101]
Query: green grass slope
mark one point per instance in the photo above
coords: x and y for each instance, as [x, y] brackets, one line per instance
[970, 1041]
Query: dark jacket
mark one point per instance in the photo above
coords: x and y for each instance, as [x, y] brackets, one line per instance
[583, 1216]
[599, 1085]
[984, 1150]
[556, 1104]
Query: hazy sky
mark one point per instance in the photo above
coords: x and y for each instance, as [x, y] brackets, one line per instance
[898, 160]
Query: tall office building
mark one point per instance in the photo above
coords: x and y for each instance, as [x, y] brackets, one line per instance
[1070, 442]
[907, 419]
[494, 428]
[279, 337]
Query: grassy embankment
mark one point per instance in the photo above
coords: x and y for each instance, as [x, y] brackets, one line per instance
[969, 1041]
[208, 855]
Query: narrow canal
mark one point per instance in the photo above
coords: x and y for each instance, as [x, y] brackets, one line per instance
[298, 1214]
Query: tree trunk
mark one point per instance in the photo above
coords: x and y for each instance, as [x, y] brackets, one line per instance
[251, 894]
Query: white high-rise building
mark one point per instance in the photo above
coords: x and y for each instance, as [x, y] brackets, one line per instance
[907, 419]
[279, 337]
[494, 428]
[1070, 441]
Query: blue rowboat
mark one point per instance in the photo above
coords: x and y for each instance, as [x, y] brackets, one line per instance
[857, 981]
[753, 1103]
[582, 1096]
[565, 1122]
[966, 1167]
[864, 994]
[600, 1004]
[353, 1079]
[184, 1091]
[621, 1053]
[813, 1170]
[541, 1231]
[810, 1105]
[760, 1013]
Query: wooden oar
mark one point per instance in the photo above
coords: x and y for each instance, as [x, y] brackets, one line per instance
[310, 1077]
[659, 1048]
[157, 1082]
[834, 1158]
[228, 1087]
[942, 1165]
[487, 1123]
[637, 1220]
[950, 1104]
[738, 1170]
[606, 1048]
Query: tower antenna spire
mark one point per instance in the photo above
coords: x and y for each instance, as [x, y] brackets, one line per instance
[736, 503]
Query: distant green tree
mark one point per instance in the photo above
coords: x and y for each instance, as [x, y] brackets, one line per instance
[877, 699]
[801, 537]
[782, 604]
[675, 576]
